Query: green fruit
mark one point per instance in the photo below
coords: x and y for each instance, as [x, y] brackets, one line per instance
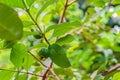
[43, 53]
[37, 36]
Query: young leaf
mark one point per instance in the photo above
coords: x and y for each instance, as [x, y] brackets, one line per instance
[61, 29]
[17, 54]
[6, 75]
[58, 56]
[11, 27]
[47, 3]
[65, 40]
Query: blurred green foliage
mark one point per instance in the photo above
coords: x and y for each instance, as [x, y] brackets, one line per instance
[88, 39]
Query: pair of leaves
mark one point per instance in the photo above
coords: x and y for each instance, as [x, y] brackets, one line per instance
[57, 54]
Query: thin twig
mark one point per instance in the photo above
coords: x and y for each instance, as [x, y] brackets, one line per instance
[63, 13]
[28, 11]
[37, 59]
[111, 69]
[22, 72]
[48, 68]
[46, 39]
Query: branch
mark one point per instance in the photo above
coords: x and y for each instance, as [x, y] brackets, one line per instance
[30, 15]
[63, 13]
[22, 72]
[55, 76]
[46, 72]
[111, 69]
[37, 59]
[28, 11]
[48, 68]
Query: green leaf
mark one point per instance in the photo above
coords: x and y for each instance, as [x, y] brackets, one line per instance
[11, 27]
[6, 75]
[65, 40]
[28, 61]
[27, 23]
[99, 3]
[58, 56]
[61, 29]
[45, 5]
[116, 76]
[30, 2]
[13, 3]
[22, 77]
[17, 54]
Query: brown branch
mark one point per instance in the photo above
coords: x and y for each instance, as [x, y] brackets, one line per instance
[63, 13]
[111, 69]
[64, 10]
[46, 39]
[48, 68]
[55, 76]
[22, 72]
[46, 72]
